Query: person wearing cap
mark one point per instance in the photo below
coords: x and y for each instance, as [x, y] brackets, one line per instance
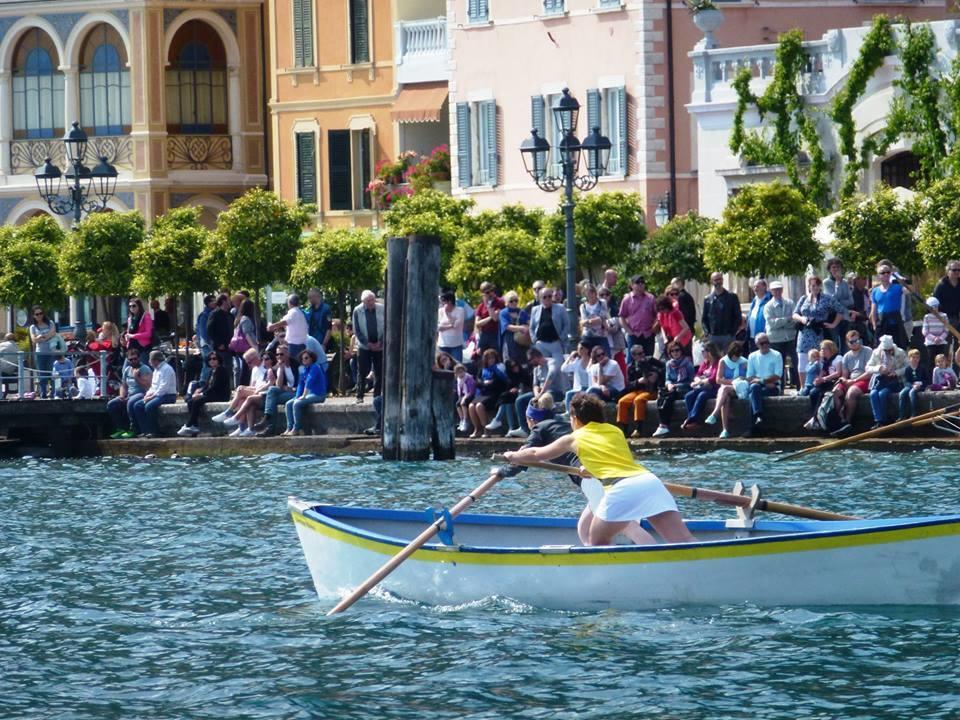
[836, 286]
[638, 315]
[756, 320]
[721, 319]
[935, 333]
[888, 363]
[782, 331]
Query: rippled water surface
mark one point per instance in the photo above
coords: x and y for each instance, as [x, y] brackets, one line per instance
[177, 589]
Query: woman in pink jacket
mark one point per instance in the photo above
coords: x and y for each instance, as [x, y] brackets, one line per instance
[139, 327]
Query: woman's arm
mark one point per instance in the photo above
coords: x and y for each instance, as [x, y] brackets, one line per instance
[562, 445]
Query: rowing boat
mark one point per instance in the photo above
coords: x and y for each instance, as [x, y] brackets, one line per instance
[536, 560]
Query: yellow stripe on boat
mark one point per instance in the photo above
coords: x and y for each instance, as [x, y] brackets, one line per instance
[532, 556]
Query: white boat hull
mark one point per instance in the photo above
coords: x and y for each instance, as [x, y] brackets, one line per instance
[908, 562]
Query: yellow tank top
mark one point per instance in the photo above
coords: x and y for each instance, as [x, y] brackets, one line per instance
[604, 452]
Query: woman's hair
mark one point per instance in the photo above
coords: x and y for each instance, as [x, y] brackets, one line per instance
[448, 296]
[587, 408]
[247, 309]
[913, 352]
[940, 358]
[510, 297]
[664, 304]
[444, 360]
[815, 278]
[109, 328]
[212, 356]
[136, 301]
[311, 353]
[712, 350]
[588, 287]
[490, 353]
[674, 345]
[829, 345]
[735, 348]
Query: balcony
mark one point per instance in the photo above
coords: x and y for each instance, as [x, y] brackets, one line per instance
[421, 50]
[27, 155]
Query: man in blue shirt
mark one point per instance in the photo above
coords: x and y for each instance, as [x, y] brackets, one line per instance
[756, 323]
[764, 370]
[203, 339]
[318, 317]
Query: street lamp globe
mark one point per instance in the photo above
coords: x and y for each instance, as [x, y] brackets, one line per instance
[662, 214]
[566, 111]
[534, 152]
[597, 149]
[76, 142]
[48, 179]
[104, 177]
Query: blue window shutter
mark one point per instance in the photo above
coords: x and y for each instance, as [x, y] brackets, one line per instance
[552, 7]
[537, 120]
[478, 10]
[465, 170]
[593, 110]
[489, 110]
[622, 122]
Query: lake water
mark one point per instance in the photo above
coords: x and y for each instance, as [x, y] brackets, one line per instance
[177, 589]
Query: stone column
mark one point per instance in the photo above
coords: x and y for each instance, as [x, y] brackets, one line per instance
[71, 98]
[6, 120]
[235, 117]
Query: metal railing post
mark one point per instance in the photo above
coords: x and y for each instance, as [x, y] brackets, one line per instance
[21, 378]
[103, 374]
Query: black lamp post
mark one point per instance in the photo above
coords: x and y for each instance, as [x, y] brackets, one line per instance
[80, 179]
[596, 148]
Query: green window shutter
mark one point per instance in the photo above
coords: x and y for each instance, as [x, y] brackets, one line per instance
[488, 111]
[298, 33]
[465, 169]
[622, 126]
[359, 32]
[338, 159]
[303, 33]
[593, 110]
[538, 121]
[365, 152]
[306, 167]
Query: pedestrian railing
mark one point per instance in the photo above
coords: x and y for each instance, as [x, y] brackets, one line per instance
[28, 375]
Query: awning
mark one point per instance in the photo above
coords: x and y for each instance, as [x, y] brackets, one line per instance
[420, 103]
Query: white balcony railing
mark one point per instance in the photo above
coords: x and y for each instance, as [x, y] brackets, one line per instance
[421, 50]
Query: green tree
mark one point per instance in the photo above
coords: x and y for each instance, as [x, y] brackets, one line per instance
[29, 274]
[675, 250]
[167, 263]
[42, 228]
[938, 234]
[95, 258]
[880, 226]
[509, 258]
[607, 227]
[256, 240]
[508, 217]
[765, 229]
[430, 212]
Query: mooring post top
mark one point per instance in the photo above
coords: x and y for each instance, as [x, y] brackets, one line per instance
[426, 239]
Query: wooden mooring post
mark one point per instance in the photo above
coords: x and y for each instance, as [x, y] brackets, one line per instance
[418, 402]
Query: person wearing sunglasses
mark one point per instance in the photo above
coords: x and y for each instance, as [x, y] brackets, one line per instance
[42, 331]
[215, 389]
[282, 389]
[139, 327]
[764, 371]
[311, 389]
[887, 306]
[606, 377]
[947, 292]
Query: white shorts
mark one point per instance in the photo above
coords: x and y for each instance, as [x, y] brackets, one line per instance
[635, 498]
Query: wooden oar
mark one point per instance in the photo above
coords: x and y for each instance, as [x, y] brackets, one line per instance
[418, 542]
[915, 420]
[717, 496]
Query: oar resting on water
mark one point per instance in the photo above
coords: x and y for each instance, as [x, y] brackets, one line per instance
[718, 496]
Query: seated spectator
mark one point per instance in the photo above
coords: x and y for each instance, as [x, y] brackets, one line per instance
[831, 369]
[679, 375]
[644, 378]
[547, 378]
[575, 367]
[914, 380]
[311, 389]
[258, 381]
[888, 365]
[134, 382]
[703, 387]
[9, 369]
[764, 372]
[731, 381]
[466, 389]
[935, 333]
[246, 415]
[445, 362]
[812, 372]
[64, 373]
[944, 378]
[163, 391]
[606, 377]
[282, 389]
[518, 382]
[491, 384]
[854, 382]
[215, 389]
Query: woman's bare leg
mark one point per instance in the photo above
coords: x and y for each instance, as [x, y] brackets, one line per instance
[583, 525]
[637, 535]
[670, 526]
[603, 532]
[725, 411]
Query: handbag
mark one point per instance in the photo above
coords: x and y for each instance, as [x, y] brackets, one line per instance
[238, 343]
[521, 338]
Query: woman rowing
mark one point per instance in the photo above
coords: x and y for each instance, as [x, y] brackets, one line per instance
[632, 492]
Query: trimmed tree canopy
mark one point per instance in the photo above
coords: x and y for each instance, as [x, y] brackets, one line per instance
[430, 212]
[256, 240]
[766, 229]
[339, 260]
[938, 235]
[509, 258]
[880, 226]
[675, 250]
[167, 263]
[42, 228]
[29, 274]
[95, 259]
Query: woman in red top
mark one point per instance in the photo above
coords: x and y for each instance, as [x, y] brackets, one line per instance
[704, 385]
[672, 324]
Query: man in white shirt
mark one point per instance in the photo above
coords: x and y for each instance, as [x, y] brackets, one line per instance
[163, 391]
[295, 321]
[606, 377]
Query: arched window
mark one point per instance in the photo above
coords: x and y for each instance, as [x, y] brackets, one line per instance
[104, 83]
[197, 81]
[900, 170]
[37, 87]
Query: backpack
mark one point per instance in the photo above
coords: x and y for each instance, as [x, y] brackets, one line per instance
[827, 415]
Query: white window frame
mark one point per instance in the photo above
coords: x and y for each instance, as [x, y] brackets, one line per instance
[610, 127]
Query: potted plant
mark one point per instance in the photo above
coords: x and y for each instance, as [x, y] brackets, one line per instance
[707, 17]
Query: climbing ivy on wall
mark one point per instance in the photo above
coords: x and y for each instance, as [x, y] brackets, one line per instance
[794, 125]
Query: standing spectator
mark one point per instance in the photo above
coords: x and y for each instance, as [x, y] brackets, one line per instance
[549, 325]
[782, 330]
[947, 292]
[450, 319]
[244, 338]
[42, 331]
[318, 318]
[839, 289]
[721, 318]
[935, 334]
[220, 329]
[859, 313]
[282, 390]
[756, 320]
[594, 316]
[606, 377]
[673, 326]
[679, 375]
[368, 329]
[487, 323]
[203, 336]
[577, 367]
[944, 378]
[134, 382]
[311, 389]
[608, 284]
[638, 314]
[764, 371]
[538, 285]
[731, 373]
[685, 301]
[163, 391]
[703, 387]
[295, 323]
[615, 336]
[888, 363]
[831, 370]
[855, 380]
[514, 330]
[914, 380]
[644, 378]
[161, 319]
[139, 327]
[216, 388]
[886, 310]
[812, 316]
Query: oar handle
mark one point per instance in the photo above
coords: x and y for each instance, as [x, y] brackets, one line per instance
[418, 542]
[717, 496]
